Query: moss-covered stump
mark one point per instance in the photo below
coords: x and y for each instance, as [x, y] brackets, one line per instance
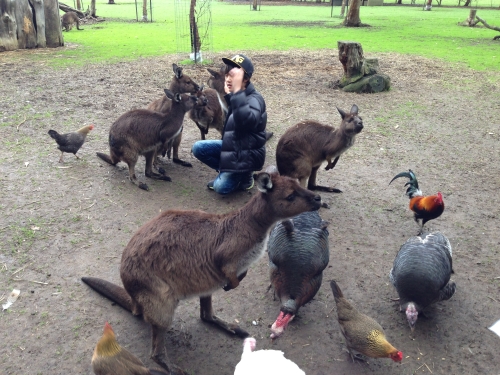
[360, 74]
[370, 84]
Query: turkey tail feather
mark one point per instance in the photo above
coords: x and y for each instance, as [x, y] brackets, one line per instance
[448, 291]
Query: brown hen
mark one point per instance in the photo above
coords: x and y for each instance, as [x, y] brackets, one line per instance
[362, 334]
[111, 359]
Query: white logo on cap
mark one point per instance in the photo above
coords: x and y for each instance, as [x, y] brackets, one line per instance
[238, 59]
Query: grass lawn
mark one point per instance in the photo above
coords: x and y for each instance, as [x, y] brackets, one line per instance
[401, 29]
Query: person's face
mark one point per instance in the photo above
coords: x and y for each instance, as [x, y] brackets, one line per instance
[234, 80]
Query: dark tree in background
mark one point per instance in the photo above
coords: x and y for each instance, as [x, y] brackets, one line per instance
[30, 24]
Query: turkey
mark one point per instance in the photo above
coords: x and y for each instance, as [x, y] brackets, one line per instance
[264, 362]
[298, 254]
[421, 273]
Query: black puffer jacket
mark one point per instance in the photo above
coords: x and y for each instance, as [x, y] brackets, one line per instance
[244, 138]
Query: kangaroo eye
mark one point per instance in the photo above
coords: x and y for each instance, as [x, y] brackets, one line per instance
[291, 197]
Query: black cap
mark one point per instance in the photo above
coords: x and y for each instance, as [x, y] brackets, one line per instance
[240, 61]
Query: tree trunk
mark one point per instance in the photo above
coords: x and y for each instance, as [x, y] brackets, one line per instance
[29, 24]
[195, 36]
[78, 5]
[92, 9]
[467, 3]
[145, 10]
[41, 41]
[8, 26]
[471, 21]
[111, 1]
[26, 37]
[254, 5]
[342, 9]
[352, 19]
[53, 31]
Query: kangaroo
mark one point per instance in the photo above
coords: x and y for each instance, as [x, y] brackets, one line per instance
[181, 254]
[306, 145]
[141, 132]
[208, 114]
[217, 82]
[68, 19]
[180, 83]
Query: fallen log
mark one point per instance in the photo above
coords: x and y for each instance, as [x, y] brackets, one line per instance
[489, 27]
[67, 8]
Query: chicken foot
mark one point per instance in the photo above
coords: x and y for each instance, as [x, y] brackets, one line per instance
[207, 315]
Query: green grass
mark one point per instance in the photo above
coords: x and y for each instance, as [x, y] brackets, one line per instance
[401, 29]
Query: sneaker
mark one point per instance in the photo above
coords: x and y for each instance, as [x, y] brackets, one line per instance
[247, 183]
[210, 185]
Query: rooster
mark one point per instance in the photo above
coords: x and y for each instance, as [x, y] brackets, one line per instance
[71, 142]
[264, 362]
[362, 334]
[111, 359]
[421, 274]
[424, 207]
[298, 253]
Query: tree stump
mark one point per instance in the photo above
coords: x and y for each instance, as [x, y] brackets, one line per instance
[360, 74]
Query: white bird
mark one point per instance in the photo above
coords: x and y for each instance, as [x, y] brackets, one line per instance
[264, 362]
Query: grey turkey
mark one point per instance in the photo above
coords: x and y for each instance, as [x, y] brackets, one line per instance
[298, 254]
[421, 273]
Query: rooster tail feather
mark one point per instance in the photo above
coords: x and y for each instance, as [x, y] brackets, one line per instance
[413, 189]
[111, 291]
[54, 134]
[337, 293]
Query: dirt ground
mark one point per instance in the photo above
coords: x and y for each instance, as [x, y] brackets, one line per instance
[60, 222]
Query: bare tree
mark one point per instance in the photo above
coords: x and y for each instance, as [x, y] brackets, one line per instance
[78, 5]
[92, 9]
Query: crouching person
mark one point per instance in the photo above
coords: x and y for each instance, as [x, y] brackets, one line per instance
[242, 150]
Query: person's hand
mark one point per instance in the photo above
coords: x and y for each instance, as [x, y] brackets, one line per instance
[238, 79]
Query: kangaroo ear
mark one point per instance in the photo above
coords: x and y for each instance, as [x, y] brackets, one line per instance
[213, 73]
[177, 97]
[342, 113]
[202, 87]
[169, 93]
[354, 109]
[264, 183]
[177, 71]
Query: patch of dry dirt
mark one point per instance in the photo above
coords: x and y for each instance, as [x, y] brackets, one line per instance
[60, 222]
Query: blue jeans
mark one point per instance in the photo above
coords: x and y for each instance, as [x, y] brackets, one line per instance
[208, 152]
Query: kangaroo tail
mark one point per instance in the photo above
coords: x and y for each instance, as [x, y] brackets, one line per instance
[111, 291]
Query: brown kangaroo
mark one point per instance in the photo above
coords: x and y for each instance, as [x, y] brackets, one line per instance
[141, 132]
[180, 83]
[181, 254]
[210, 114]
[306, 145]
[68, 19]
[217, 82]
